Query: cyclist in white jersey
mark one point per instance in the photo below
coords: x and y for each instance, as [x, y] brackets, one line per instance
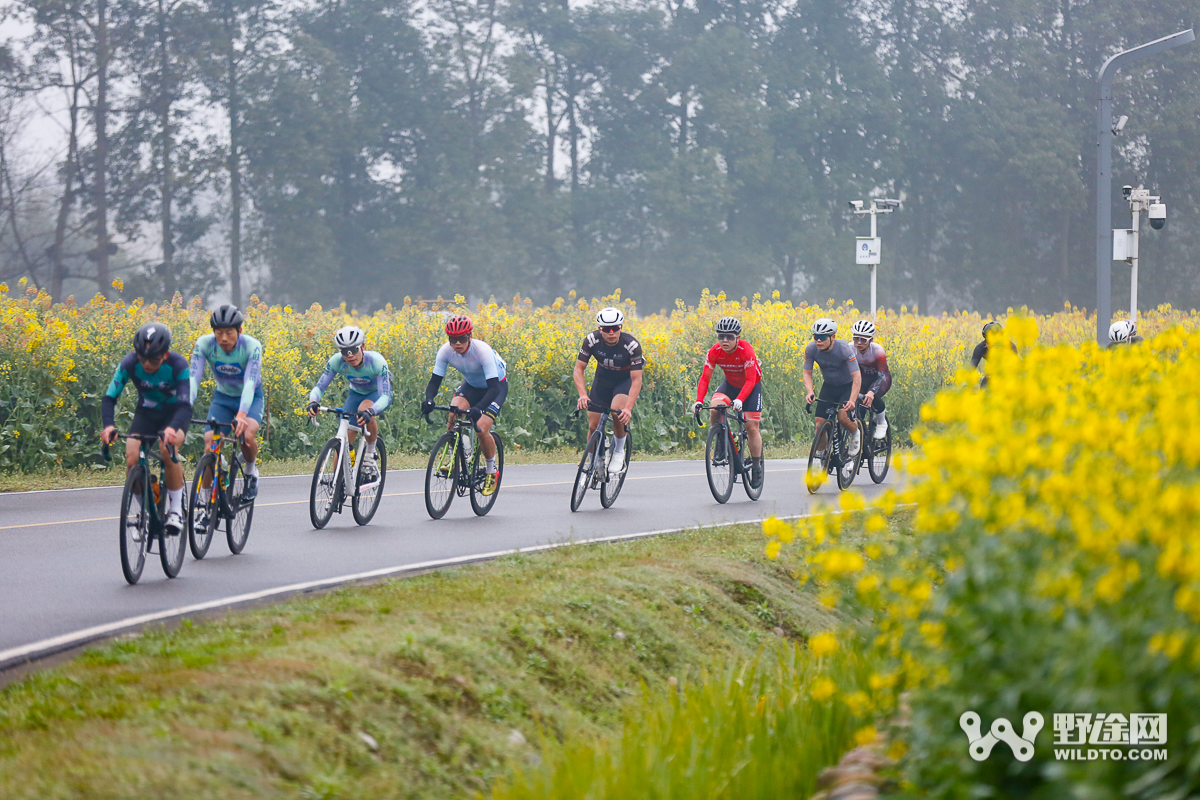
[483, 391]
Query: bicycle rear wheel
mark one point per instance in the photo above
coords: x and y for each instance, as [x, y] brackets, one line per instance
[237, 528]
[135, 525]
[611, 488]
[482, 503]
[881, 456]
[366, 500]
[202, 500]
[818, 457]
[850, 464]
[587, 466]
[322, 498]
[441, 476]
[719, 470]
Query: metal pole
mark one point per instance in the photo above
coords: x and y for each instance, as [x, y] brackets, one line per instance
[874, 267]
[1104, 136]
[1137, 215]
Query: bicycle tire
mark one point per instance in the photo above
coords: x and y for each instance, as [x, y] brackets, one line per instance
[199, 541]
[877, 467]
[327, 477]
[849, 468]
[583, 476]
[610, 489]
[237, 524]
[444, 457]
[171, 549]
[753, 492]
[364, 507]
[720, 477]
[814, 478]
[481, 504]
[134, 545]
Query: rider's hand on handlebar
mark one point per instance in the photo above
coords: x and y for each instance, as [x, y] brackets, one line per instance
[849, 406]
[109, 434]
[625, 415]
[313, 406]
[869, 399]
[810, 397]
[737, 404]
[173, 436]
[365, 415]
[696, 406]
[427, 406]
[582, 403]
[475, 414]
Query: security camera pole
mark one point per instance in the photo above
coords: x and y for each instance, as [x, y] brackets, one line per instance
[867, 249]
[1104, 133]
[1125, 241]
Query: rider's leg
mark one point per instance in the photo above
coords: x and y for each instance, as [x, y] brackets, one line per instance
[486, 442]
[754, 437]
[824, 441]
[206, 478]
[250, 446]
[174, 478]
[847, 423]
[620, 429]
[132, 448]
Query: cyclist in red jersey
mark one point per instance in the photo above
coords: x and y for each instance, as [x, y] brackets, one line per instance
[743, 374]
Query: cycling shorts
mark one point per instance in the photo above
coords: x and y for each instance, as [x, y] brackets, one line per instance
[474, 396]
[354, 400]
[153, 421]
[605, 386]
[751, 406]
[224, 408]
[832, 397]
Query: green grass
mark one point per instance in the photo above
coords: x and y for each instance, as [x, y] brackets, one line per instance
[438, 671]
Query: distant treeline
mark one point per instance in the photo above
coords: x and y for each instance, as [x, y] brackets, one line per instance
[365, 150]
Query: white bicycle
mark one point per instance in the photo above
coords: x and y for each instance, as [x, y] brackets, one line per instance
[339, 467]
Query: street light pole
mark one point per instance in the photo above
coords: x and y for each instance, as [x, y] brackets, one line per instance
[1104, 134]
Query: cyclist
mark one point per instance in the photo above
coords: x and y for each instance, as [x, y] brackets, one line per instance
[1123, 331]
[236, 361]
[370, 389]
[617, 383]
[163, 408]
[876, 377]
[980, 353]
[483, 391]
[743, 374]
[841, 378]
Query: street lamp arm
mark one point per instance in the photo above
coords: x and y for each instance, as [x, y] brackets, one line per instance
[1115, 62]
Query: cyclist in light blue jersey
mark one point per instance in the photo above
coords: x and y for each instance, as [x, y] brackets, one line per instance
[236, 361]
[370, 387]
[482, 393]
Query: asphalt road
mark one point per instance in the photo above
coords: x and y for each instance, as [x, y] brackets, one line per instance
[60, 576]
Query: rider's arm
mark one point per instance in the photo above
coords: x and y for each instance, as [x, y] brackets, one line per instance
[431, 388]
[705, 377]
[979, 354]
[383, 385]
[108, 404]
[883, 380]
[183, 403]
[578, 376]
[752, 374]
[326, 378]
[635, 386]
[196, 370]
[493, 391]
[808, 381]
[251, 380]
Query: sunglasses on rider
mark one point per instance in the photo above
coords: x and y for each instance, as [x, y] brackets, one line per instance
[820, 337]
[609, 328]
[726, 337]
[459, 339]
[861, 340]
[350, 351]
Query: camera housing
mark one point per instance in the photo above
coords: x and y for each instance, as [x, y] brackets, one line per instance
[1158, 215]
[1126, 190]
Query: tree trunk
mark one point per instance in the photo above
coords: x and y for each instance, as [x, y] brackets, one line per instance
[551, 132]
[235, 179]
[57, 268]
[168, 177]
[100, 180]
[1064, 266]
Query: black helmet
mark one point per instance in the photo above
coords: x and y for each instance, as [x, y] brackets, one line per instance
[226, 316]
[152, 339]
[729, 325]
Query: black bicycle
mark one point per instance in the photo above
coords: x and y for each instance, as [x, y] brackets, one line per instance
[341, 466]
[876, 453]
[219, 493]
[725, 458]
[831, 453]
[144, 512]
[448, 472]
[598, 453]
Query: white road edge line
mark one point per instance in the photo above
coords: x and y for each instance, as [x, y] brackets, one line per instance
[31, 652]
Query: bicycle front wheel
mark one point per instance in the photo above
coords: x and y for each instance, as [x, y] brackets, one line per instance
[611, 488]
[881, 456]
[482, 503]
[752, 491]
[818, 457]
[135, 525]
[587, 466]
[718, 463]
[322, 498]
[237, 528]
[366, 498]
[441, 476]
[203, 508]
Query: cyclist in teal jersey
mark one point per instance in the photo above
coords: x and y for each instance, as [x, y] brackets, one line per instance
[370, 387]
[163, 407]
[236, 361]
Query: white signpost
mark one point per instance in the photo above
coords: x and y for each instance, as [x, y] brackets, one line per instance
[867, 249]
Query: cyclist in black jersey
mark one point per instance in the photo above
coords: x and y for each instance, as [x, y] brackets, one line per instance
[618, 380]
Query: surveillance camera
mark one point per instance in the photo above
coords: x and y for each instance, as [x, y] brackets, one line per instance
[1158, 215]
[1119, 125]
[890, 203]
[1126, 190]
[856, 205]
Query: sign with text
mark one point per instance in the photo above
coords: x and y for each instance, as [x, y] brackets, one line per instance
[866, 250]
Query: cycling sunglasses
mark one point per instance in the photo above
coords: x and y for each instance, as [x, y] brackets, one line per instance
[350, 351]
[726, 337]
[609, 328]
[459, 339]
[820, 337]
[861, 340]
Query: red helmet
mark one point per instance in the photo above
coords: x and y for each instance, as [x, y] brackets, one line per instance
[458, 326]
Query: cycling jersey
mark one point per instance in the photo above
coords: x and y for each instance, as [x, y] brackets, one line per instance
[742, 369]
[369, 377]
[876, 377]
[624, 355]
[479, 363]
[238, 373]
[838, 363]
[168, 388]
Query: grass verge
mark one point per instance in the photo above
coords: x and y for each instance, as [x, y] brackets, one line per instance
[426, 687]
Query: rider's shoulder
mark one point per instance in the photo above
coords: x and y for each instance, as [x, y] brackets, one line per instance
[250, 343]
[206, 341]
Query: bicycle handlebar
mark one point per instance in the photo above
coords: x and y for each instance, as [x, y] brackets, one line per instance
[458, 412]
[738, 415]
[107, 456]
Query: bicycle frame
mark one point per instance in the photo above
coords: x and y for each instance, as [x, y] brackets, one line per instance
[345, 467]
[740, 438]
[462, 427]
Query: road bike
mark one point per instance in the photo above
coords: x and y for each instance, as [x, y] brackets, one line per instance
[340, 465]
[831, 453]
[876, 453]
[724, 455]
[144, 512]
[224, 496]
[599, 451]
[449, 473]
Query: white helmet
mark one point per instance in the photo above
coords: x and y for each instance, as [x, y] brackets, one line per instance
[1121, 331]
[349, 337]
[824, 326]
[610, 316]
[864, 328]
